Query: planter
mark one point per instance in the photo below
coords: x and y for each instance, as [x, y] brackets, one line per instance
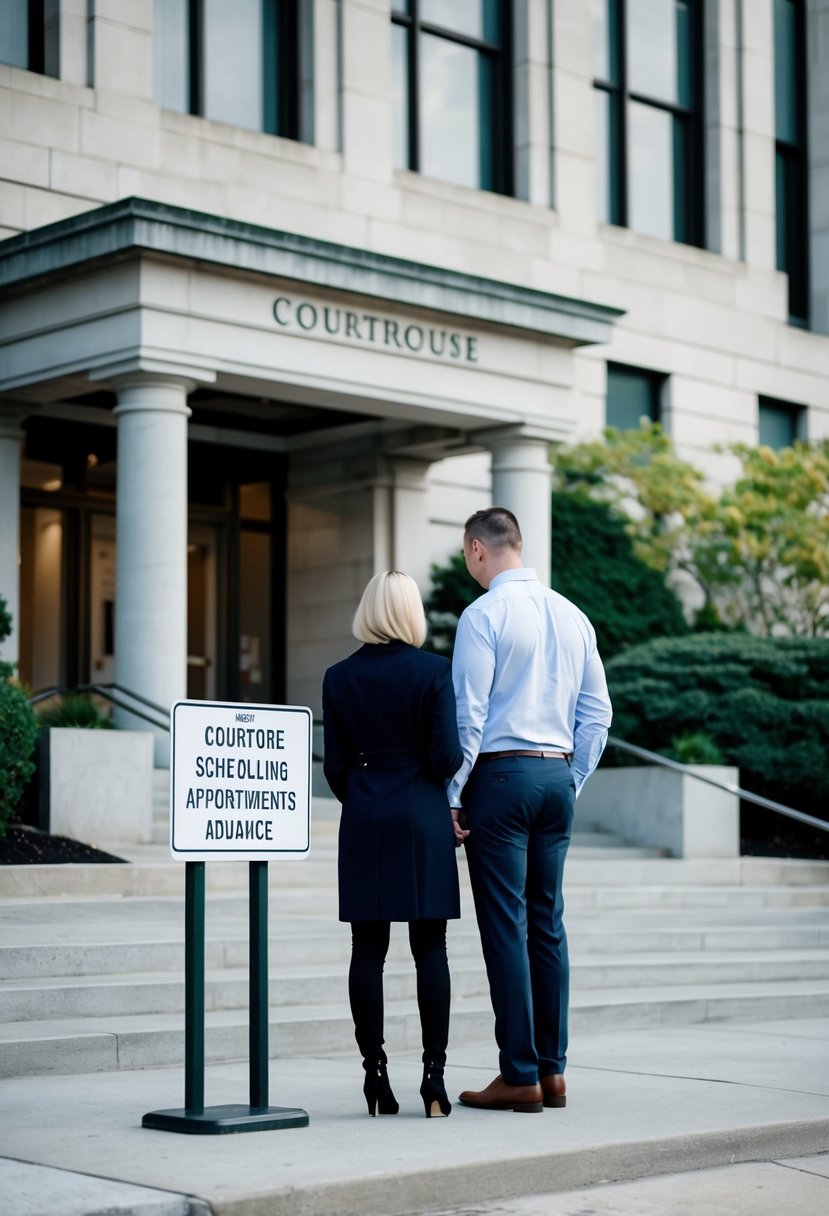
[96, 785]
[659, 808]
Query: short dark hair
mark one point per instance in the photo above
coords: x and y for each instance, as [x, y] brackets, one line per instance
[495, 527]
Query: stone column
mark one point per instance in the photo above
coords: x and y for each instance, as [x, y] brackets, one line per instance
[10, 440]
[151, 534]
[521, 481]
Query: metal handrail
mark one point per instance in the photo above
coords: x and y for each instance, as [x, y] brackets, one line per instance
[768, 803]
[102, 690]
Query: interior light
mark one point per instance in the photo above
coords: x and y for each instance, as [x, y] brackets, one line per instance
[91, 460]
[54, 484]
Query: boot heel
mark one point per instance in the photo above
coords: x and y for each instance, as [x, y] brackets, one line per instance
[528, 1108]
[552, 1103]
[433, 1092]
[378, 1093]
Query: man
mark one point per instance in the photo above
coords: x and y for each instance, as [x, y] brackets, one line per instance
[533, 717]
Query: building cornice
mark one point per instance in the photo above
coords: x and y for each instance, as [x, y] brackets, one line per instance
[136, 226]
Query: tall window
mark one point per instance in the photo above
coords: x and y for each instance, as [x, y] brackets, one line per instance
[632, 394]
[451, 81]
[28, 39]
[780, 423]
[232, 60]
[790, 152]
[647, 70]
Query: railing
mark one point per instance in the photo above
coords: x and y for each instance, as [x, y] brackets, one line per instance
[104, 690]
[768, 803]
[160, 722]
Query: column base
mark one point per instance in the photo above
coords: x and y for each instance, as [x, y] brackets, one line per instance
[226, 1120]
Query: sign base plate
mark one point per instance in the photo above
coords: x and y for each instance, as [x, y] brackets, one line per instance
[226, 1120]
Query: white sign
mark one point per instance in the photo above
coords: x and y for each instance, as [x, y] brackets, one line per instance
[240, 781]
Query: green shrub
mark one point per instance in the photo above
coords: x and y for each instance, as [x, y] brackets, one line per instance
[594, 565]
[453, 588]
[764, 702]
[73, 710]
[695, 747]
[18, 731]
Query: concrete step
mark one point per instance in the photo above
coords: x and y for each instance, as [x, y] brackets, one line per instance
[58, 955]
[93, 996]
[148, 1040]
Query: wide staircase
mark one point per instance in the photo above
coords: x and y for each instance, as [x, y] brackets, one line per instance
[91, 957]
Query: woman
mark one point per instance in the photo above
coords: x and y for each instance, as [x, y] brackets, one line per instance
[391, 742]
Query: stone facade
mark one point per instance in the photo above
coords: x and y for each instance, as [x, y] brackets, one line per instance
[714, 321]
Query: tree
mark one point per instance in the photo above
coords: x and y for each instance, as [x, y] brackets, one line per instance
[594, 565]
[758, 550]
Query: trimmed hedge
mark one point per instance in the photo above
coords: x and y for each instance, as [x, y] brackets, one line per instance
[764, 702]
[18, 731]
[594, 565]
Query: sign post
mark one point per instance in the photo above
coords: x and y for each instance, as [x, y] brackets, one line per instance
[240, 790]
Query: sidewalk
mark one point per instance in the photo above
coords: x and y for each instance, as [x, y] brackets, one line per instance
[642, 1103]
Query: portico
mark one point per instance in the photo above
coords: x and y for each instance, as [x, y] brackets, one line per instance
[352, 373]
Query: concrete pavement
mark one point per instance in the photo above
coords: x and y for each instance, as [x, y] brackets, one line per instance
[642, 1102]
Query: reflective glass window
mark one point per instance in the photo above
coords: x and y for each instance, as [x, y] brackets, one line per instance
[476, 18]
[171, 54]
[451, 119]
[400, 94]
[779, 423]
[632, 394]
[14, 33]
[648, 122]
[234, 61]
[791, 158]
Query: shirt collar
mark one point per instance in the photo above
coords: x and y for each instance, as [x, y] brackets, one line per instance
[523, 574]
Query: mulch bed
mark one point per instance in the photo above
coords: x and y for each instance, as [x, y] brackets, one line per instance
[22, 846]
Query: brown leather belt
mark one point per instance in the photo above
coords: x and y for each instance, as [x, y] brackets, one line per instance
[537, 755]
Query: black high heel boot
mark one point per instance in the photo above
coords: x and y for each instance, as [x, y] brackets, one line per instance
[377, 1090]
[433, 1092]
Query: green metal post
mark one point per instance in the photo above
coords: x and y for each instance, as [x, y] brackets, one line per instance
[194, 987]
[258, 983]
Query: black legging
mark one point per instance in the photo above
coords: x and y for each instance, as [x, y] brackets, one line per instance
[369, 946]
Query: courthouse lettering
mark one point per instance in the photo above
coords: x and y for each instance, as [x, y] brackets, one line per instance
[369, 329]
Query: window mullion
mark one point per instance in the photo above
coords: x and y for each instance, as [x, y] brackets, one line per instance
[621, 188]
[414, 88]
[196, 55]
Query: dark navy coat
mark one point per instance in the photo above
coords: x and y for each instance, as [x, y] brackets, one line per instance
[391, 741]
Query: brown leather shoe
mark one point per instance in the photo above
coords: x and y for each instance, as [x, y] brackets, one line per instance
[554, 1089]
[526, 1099]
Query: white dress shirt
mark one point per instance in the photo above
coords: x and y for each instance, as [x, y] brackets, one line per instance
[527, 675]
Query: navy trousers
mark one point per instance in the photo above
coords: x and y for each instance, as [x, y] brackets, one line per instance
[520, 815]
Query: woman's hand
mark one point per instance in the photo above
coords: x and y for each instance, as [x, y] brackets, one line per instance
[461, 833]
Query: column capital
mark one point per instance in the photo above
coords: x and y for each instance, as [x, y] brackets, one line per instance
[143, 393]
[12, 415]
[139, 368]
[518, 436]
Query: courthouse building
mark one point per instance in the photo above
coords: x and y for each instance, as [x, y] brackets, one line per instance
[289, 287]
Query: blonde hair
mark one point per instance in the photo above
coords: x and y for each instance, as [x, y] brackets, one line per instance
[391, 610]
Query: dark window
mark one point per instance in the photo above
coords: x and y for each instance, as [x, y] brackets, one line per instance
[451, 87]
[28, 39]
[647, 69]
[232, 60]
[780, 423]
[790, 152]
[632, 394]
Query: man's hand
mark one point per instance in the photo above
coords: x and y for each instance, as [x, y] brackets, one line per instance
[460, 833]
